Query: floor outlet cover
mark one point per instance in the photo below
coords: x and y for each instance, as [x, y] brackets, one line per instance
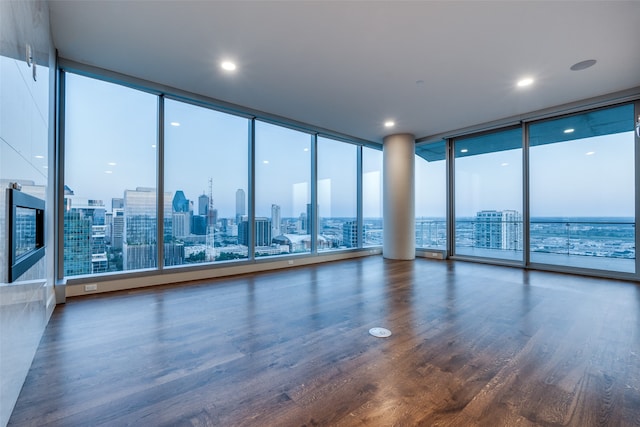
[380, 332]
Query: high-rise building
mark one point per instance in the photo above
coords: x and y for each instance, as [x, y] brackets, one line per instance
[199, 225]
[350, 234]
[117, 228]
[241, 208]
[77, 243]
[203, 205]
[181, 218]
[181, 225]
[498, 230]
[140, 227]
[140, 216]
[84, 236]
[275, 221]
[180, 202]
[262, 232]
[108, 222]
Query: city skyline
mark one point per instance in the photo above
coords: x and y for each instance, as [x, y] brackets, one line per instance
[91, 236]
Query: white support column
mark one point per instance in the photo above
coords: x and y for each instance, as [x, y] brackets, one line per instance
[398, 199]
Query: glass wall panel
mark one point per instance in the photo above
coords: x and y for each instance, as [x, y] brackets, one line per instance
[283, 192]
[372, 196]
[110, 214]
[24, 145]
[431, 196]
[582, 192]
[488, 195]
[205, 172]
[337, 195]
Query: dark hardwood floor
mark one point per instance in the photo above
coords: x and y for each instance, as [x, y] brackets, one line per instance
[472, 345]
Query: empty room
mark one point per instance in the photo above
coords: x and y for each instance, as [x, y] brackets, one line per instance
[469, 170]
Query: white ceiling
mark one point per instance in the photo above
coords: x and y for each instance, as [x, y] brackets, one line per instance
[349, 66]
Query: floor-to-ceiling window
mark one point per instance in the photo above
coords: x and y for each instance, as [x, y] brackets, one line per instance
[488, 195]
[372, 196]
[110, 207]
[206, 175]
[582, 191]
[337, 191]
[118, 156]
[431, 196]
[283, 210]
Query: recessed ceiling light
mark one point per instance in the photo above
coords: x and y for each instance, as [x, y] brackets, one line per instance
[583, 65]
[590, 153]
[464, 150]
[570, 130]
[111, 163]
[266, 162]
[176, 124]
[153, 146]
[389, 124]
[504, 164]
[306, 149]
[228, 66]
[107, 172]
[39, 157]
[527, 81]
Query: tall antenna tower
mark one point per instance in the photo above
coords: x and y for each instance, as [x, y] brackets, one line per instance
[211, 226]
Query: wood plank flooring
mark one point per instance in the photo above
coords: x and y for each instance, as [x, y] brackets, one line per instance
[472, 345]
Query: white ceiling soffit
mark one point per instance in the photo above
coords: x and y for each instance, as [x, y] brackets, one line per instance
[430, 66]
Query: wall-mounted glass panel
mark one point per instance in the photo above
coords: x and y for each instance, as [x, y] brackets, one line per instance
[110, 213]
[431, 196]
[205, 174]
[488, 195]
[24, 134]
[372, 196]
[582, 192]
[283, 192]
[337, 195]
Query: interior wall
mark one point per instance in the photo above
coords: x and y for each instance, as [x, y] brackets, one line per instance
[26, 157]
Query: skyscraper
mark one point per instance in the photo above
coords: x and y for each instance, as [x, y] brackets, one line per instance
[350, 234]
[180, 202]
[262, 232]
[181, 218]
[241, 208]
[199, 225]
[85, 249]
[140, 228]
[498, 230]
[203, 205]
[117, 228]
[181, 224]
[140, 216]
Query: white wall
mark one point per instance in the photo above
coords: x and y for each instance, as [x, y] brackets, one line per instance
[25, 135]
